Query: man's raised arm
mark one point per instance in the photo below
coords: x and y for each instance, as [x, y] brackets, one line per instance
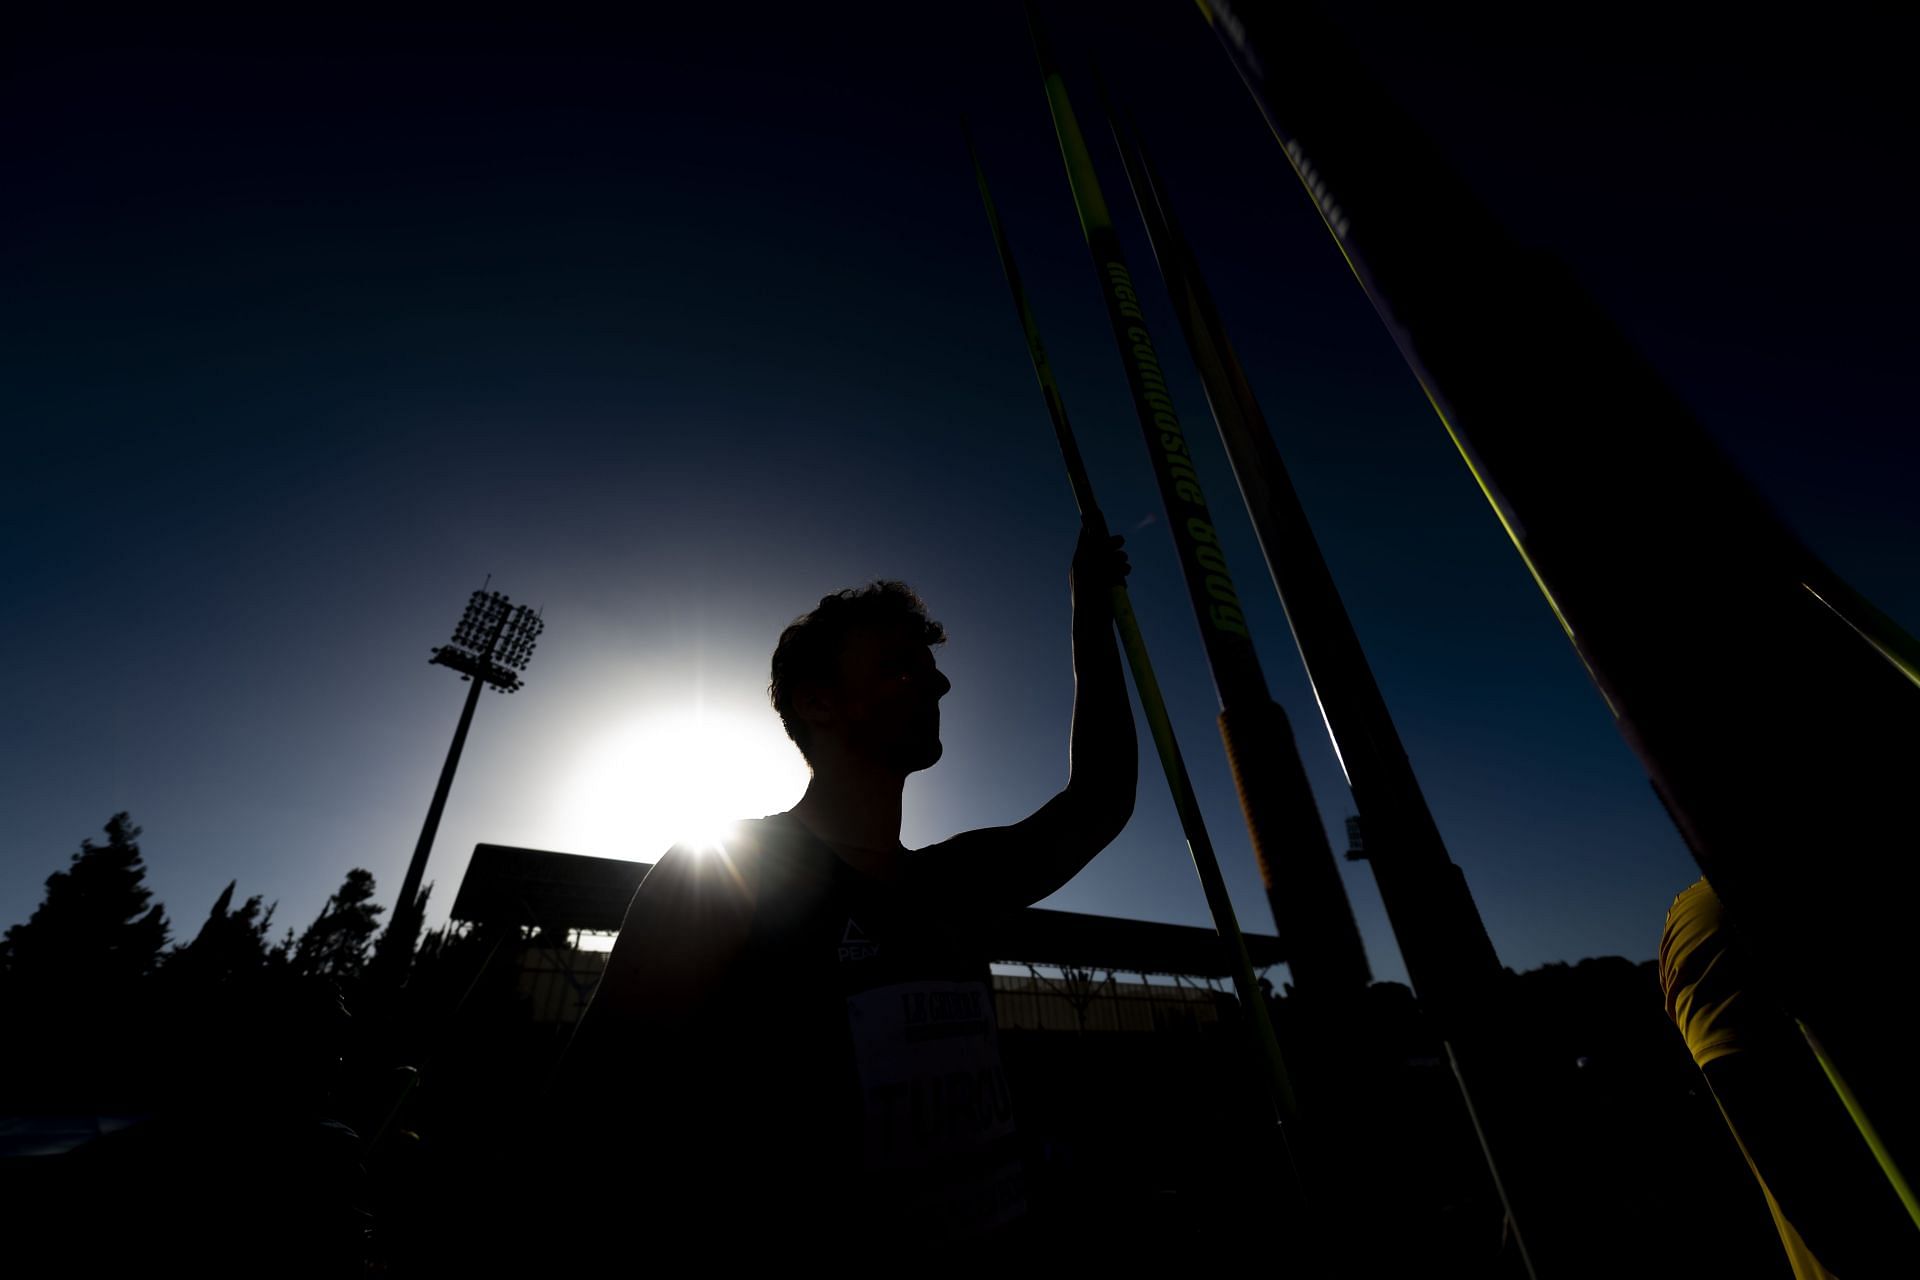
[1006, 868]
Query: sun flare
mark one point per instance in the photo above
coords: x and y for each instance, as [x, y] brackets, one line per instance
[680, 777]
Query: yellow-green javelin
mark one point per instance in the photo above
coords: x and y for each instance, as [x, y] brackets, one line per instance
[1449, 957]
[1192, 824]
[1304, 887]
[1710, 662]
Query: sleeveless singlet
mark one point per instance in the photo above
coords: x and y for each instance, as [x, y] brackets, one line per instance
[868, 1083]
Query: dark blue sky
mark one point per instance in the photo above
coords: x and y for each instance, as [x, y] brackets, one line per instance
[674, 323]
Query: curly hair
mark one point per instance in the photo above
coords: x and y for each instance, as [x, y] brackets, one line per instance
[809, 649]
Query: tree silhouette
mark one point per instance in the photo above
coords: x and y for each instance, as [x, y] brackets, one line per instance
[231, 945]
[394, 953]
[335, 944]
[97, 929]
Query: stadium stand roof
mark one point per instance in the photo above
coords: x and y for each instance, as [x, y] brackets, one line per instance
[547, 890]
[536, 887]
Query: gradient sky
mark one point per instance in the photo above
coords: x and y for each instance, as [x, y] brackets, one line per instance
[674, 323]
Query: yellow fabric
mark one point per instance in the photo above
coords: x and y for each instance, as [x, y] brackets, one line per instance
[1702, 986]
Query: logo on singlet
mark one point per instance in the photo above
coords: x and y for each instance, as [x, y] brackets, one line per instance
[855, 945]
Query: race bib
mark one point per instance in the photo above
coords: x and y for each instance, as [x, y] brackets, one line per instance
[935, 1094]
[930, 1073]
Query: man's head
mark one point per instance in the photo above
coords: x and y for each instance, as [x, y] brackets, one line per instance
[856, 677]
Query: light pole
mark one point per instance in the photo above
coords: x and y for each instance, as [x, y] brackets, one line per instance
[492, 644]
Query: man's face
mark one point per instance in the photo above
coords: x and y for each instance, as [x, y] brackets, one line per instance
[887, 699]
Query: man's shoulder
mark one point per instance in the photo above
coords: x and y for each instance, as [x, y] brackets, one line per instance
[735, 866]
[776, 830]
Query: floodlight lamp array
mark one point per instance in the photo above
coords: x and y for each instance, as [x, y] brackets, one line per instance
[494, 639]
[518, 639]
[485, 614]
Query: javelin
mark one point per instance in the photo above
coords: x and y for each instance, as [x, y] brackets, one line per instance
[1304, 888]
[1448, 954]
[1773, 708]
[1192, 824]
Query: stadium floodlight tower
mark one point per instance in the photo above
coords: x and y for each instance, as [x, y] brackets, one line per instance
[493, 643]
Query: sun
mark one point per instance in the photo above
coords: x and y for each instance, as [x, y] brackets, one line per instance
[678, 777]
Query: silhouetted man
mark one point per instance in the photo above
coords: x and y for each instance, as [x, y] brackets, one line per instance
[794, 1049]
